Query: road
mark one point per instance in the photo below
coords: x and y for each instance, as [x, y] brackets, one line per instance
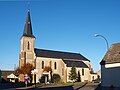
[89, 86]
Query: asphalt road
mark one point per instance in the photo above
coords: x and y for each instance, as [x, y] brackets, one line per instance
[89, 86]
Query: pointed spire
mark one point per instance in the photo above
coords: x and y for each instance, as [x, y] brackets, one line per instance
[28, 26]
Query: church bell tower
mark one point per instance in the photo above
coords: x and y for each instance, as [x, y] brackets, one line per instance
[27, 43]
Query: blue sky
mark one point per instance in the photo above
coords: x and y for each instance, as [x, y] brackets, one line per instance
[64, 25]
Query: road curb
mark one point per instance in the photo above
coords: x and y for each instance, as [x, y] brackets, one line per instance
[32, 87]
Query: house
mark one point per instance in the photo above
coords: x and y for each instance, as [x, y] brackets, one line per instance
[5, 73]
[8, 75]
[94, 76]
[110, 67]
[0, 76]
[99, 73]
[59, 61]
[12, 77]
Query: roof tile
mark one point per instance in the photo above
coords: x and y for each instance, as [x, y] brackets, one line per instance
[113, 54]
[58, 54]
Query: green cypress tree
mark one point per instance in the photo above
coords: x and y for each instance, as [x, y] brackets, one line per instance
[73, 74]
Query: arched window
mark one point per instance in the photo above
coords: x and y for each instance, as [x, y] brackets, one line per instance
[83, 71]
[55, 65]
[42, 64]
[50, 63]
[28, 45]
[62, 71]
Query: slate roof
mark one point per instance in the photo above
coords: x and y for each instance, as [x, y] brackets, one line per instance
[28, 27]
[6, 72]
[77, 63]
[113, 54]
[58, 54]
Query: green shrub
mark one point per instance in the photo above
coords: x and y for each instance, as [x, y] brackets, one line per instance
[56, 78]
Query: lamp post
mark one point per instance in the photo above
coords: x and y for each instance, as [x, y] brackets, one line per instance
[34, 72]
[96, 35]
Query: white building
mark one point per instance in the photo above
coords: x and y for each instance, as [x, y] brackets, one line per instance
[110, 67]
[12, 77]
[94, 76]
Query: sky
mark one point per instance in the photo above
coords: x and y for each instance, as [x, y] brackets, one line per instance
[62, 25]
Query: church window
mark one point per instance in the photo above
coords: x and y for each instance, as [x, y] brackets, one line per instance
[28, 45]
[42, 64]
[82, 71]
[50, 63]
[55, 65]
[62, 71]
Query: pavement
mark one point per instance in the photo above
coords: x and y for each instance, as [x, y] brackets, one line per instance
[9, 86]
[107, 88]
[89, 86]
[62, 87]
[78, 86]
[68, 87]
[84, 86]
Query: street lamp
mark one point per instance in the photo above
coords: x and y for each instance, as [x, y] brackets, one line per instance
[96, 35]
[34, 72]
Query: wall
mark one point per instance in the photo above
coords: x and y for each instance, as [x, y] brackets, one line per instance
[60, 66]
[85, 77]
[88, 64]
[99, 73]
[110, 74]
[94, 77]
[26, 54]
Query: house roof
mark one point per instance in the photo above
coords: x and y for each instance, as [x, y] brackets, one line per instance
[6, 72]
[28, 27]
[113, 54]
[11, 76]
[77, 63]
[58, 54]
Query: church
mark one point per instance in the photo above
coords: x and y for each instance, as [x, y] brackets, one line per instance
[59, 61]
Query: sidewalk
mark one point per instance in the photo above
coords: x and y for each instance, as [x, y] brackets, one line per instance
[72, 87]
[69, 87]
[24, 88]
